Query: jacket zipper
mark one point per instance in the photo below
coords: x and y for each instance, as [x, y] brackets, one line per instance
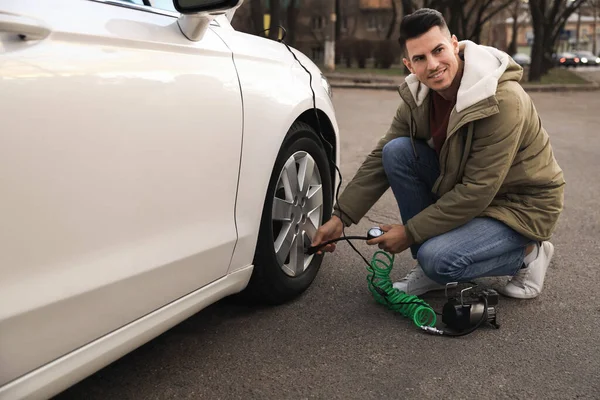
[440, 178]
[412, 136]
[469, 140]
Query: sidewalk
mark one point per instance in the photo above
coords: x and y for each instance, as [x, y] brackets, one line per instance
[391, 82]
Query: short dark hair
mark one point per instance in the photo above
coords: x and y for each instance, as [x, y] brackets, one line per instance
[415, 24]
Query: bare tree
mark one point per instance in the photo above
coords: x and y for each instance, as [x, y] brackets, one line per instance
[548, 18]
[256, 15]
[578, 29]
[594, 4]
[338, 19]
[515, 14]
[292, 22]
[393, 21]
[275, 12]
[407, 7]
[466, 18]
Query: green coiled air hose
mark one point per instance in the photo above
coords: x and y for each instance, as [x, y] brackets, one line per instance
[380, 285]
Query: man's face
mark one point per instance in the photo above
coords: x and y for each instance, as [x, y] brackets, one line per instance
[433, 58]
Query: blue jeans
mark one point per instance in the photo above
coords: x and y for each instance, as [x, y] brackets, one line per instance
[481, 247]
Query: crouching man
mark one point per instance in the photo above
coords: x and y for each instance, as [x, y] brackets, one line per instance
[470, 165]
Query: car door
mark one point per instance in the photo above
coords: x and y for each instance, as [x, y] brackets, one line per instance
[119, 152]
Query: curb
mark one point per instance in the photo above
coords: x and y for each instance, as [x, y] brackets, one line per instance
[562, 88]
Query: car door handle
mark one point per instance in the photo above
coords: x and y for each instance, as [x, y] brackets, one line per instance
[27, 28]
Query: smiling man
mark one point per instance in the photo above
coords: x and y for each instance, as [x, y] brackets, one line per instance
[470, 165]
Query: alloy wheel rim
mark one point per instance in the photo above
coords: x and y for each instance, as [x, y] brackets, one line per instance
[297, 212]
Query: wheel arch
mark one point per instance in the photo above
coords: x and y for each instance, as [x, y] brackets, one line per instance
[248, 206]
[320, 122]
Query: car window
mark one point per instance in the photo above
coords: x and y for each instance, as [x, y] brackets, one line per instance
[164, 5]
[167, 5]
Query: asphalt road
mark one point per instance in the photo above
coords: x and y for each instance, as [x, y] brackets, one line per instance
[335, 342]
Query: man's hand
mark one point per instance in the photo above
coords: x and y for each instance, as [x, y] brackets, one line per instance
[332, 229]
[394, 240]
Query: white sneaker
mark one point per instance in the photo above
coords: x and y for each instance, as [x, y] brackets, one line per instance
[528, 282]
[417, 283]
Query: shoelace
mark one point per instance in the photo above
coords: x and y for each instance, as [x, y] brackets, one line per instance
[519, 278]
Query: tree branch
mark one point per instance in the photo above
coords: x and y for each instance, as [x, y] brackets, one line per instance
[556, 4]
[497, 10]
[392, 26]
[557, 25]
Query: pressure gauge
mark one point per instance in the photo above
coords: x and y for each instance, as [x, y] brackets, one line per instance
[374, 233]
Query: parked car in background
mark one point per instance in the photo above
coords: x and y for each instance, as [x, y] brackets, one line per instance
[152, 162]
[566, 59]
[522, 59]
[587, 58]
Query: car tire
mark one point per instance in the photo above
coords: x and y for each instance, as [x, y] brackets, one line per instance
[279, 277]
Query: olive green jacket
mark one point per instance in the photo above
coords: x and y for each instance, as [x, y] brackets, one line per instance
[497, 160]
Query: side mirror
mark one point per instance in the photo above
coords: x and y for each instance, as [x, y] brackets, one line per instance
[211, 6]
[197, 14]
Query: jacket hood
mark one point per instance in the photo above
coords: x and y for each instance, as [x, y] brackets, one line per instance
[484, 68]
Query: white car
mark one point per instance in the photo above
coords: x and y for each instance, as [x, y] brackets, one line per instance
[152, 162]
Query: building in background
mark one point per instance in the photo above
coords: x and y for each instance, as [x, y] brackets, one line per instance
[367, 21]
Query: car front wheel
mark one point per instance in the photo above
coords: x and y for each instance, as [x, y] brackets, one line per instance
[297, 203]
